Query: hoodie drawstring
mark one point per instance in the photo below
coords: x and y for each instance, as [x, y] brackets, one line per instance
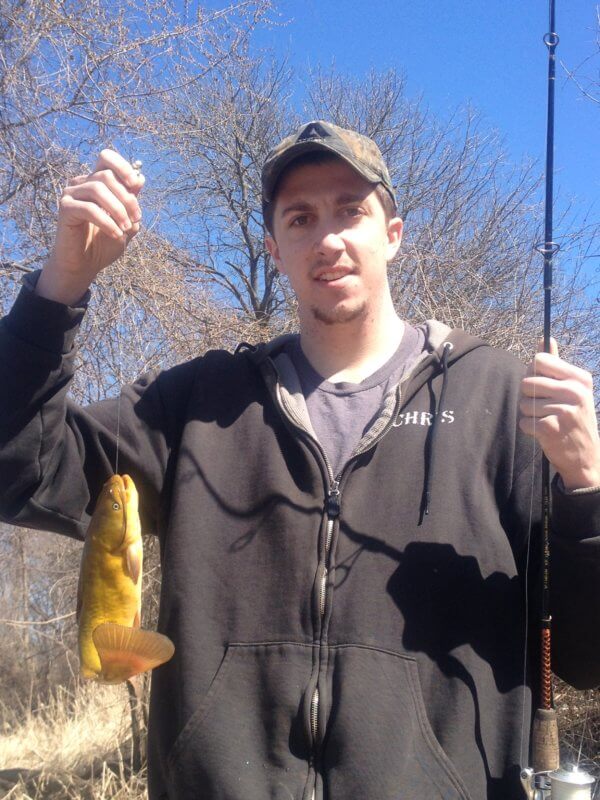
[448, 347]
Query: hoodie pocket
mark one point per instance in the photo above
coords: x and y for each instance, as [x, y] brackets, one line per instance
[379, 743]
[248, 739]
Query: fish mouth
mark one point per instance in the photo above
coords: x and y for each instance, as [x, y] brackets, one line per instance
[131, 494]
[118, 485]
[128, 486]
[123, 490]
[123, 487]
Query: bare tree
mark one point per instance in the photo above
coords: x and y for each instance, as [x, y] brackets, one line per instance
[184, 90]
[73, 78]
[586, 74]
[471, 221]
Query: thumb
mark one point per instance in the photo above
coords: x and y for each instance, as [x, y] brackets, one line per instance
[553, 346]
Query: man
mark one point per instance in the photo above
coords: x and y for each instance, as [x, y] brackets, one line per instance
[344, 516]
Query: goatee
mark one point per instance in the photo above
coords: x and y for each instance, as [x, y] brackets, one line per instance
[339, 315]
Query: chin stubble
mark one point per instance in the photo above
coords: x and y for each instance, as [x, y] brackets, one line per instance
[338, 316]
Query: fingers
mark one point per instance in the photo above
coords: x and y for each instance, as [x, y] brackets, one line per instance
[540, 408]
[540, 426]
[123, 170]
[109, 194]
[557, 408]
[79, 211]
[540, 416]
[106, 198]
[566, 390]
[547, 365]
[550, 380]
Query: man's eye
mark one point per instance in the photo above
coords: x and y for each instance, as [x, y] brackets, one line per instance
[353, 211]
[299, 221]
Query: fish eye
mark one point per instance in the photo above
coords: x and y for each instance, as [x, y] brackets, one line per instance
[116, 506]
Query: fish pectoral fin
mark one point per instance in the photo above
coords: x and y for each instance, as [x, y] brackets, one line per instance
[133, 554]
[125, 652]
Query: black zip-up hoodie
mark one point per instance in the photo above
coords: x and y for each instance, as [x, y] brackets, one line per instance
[351, 636]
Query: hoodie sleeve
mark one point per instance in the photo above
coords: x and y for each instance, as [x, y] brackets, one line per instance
[574, 570]
[574, 553]
[55, 455]
[575, 585]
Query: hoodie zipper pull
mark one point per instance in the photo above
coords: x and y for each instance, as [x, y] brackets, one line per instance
[333, 500]
[332, 509]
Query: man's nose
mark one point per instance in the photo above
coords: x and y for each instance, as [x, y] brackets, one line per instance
[329, 241]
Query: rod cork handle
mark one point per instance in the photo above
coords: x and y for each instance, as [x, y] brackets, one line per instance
[544, 741]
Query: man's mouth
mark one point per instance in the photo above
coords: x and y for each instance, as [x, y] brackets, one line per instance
[331, 275]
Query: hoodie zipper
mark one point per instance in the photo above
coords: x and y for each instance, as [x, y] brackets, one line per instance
[332, 510]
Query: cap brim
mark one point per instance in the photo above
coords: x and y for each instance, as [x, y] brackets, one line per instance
[300, 148]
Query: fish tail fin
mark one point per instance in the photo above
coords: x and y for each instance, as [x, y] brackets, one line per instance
[125, 652]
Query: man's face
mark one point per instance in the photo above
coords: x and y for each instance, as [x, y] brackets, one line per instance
[332, 240]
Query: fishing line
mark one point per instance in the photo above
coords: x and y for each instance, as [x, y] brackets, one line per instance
[137, 165]
[119, 371]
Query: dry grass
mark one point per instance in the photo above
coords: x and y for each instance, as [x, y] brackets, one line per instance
[103, 786]
[75, 746]
[579, 724]
[78, 745]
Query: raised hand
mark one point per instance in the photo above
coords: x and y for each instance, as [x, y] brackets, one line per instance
[98, 215]
[557, 407]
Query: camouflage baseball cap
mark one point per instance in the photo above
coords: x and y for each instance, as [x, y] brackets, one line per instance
[360, 152]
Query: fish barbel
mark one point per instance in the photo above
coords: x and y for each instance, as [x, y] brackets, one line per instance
[112, 646]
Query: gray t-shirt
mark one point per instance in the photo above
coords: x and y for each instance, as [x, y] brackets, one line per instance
[341, 413]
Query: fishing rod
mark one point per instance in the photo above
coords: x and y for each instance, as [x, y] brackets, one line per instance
[545, 780]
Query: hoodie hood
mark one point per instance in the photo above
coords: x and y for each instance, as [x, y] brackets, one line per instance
[444, 346]
[436, 334]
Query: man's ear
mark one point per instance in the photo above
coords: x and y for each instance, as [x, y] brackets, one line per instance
[273, 249]
[394, 233]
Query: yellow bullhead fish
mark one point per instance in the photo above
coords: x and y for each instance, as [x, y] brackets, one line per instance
[112, 646]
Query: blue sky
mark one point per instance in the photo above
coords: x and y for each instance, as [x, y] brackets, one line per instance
[490, 55]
